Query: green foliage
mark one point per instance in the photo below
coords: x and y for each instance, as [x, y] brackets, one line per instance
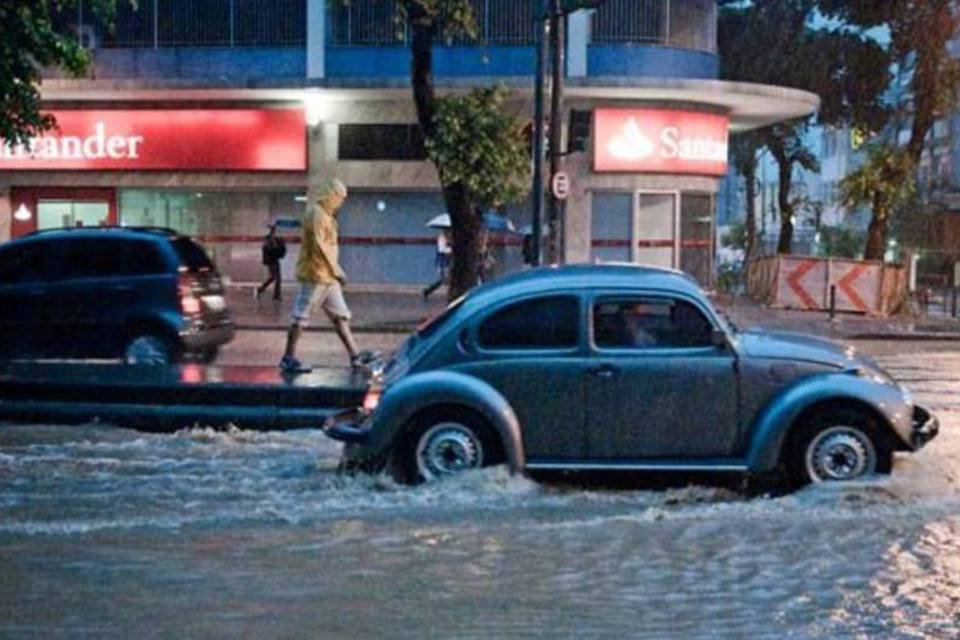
[448, 19]
[37, 34]
[735, 237]
[884, 181]
[481, 146]
[841, 242]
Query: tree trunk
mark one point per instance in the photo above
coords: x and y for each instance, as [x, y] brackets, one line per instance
[466, 240]
[785, 166]
[750, 177]
[464, 221]
[877, 232]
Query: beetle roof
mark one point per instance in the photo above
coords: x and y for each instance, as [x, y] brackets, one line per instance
[585, 276]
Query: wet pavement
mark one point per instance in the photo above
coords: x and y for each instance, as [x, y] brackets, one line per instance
[111, 533]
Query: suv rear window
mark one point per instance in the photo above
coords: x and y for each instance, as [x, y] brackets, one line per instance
[191, 255]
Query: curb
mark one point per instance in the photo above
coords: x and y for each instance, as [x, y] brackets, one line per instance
[397, 328]
[910, 336]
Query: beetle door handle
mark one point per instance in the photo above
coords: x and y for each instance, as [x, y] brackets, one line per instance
[604, 371]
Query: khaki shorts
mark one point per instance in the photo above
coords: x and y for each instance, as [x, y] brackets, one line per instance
[328, 296]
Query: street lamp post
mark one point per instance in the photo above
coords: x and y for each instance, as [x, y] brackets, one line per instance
[550, 18]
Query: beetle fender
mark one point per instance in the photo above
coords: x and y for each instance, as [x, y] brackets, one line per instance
[403, 400]
[769, 431]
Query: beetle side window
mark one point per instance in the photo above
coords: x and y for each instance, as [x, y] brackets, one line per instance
[649, 323]
[542, 323]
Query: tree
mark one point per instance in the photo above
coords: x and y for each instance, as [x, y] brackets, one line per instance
[883, 182]
[745, 155]
[36, 34]
[920, 36]
[775, 42]
[479, 151]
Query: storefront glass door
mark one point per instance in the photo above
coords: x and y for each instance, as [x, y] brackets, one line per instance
[655, 229]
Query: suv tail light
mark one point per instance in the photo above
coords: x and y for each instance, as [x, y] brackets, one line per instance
[189, 303]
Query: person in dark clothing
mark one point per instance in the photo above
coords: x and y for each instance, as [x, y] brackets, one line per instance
[272, 252]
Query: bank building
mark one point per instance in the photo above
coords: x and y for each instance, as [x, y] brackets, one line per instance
[213, 116]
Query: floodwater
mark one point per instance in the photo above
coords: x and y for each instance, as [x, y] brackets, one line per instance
[111, 533]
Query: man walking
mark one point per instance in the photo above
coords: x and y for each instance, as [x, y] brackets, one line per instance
[320, 278]
[271, 253]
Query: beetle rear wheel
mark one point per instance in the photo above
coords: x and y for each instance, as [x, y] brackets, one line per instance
[441, 445]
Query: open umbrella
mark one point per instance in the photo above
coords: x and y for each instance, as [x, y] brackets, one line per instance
[442, 221]
[491, 222]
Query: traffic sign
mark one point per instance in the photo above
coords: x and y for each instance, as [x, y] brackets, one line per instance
[560, 185]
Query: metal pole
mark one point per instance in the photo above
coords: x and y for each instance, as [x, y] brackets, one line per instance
[556, 122]
[541, 44]
[833, 301]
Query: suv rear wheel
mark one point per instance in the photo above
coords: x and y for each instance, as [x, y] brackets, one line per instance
[148, 350]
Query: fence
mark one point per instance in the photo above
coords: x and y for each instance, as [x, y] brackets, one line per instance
[686, 24]
[207, 23]
[375, 23]
[821, 284]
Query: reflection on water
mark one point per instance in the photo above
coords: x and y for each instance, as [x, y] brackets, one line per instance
[111, 532]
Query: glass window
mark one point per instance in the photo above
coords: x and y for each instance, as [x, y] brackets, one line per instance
[648, 323]
[381, 142]
[541, 323]
[143, 258]
[56, 214]
[90, 257]
[191, 255]
[23, 263]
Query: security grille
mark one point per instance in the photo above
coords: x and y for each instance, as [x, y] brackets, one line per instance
[209, 23]
[374, 23]
[686, 24]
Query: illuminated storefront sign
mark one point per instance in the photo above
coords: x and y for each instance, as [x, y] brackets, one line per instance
[660, 141]
[167, 139]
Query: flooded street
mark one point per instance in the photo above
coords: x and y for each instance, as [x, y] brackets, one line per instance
[112, 533]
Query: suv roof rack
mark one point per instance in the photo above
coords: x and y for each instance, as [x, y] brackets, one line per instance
[110, 227]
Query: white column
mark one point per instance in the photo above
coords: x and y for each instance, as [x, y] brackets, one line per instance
[578, 37]
[316, 38]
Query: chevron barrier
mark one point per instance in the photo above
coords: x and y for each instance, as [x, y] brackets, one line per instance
[804, 282]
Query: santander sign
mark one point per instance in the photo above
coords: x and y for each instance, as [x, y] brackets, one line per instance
[166, 140]
[660, 141]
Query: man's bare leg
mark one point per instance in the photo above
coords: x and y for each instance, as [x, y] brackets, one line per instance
[342, 328]
[293, 336]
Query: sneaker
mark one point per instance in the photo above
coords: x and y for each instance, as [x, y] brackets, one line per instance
[292, 365]
[365, 359]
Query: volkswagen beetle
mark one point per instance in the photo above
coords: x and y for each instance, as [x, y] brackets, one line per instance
[623, 368]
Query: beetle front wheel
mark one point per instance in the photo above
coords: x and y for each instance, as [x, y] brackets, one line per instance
[836, 447]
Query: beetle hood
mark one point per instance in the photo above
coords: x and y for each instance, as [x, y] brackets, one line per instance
[760, 343]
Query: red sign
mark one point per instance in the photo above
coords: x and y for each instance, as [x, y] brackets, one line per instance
[172, 140]
[660, 141]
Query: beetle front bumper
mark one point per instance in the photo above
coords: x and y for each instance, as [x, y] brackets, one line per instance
[926, 426]
[351, 426]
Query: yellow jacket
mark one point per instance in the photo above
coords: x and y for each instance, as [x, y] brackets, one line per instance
[319, 253]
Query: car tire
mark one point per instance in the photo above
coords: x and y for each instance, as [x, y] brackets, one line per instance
[839, 445]
[208, 356]
[441, 444]
[148, 350]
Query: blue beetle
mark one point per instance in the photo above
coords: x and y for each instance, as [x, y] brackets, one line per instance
[623, 368]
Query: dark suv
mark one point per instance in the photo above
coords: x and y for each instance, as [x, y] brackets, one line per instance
[148, 296]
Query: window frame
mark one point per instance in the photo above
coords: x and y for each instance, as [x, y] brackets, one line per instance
[615, 296]
[481, 319]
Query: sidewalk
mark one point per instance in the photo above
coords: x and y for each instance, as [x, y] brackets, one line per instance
[400, 311]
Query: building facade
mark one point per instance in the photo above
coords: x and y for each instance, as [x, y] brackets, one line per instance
[214, 116]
